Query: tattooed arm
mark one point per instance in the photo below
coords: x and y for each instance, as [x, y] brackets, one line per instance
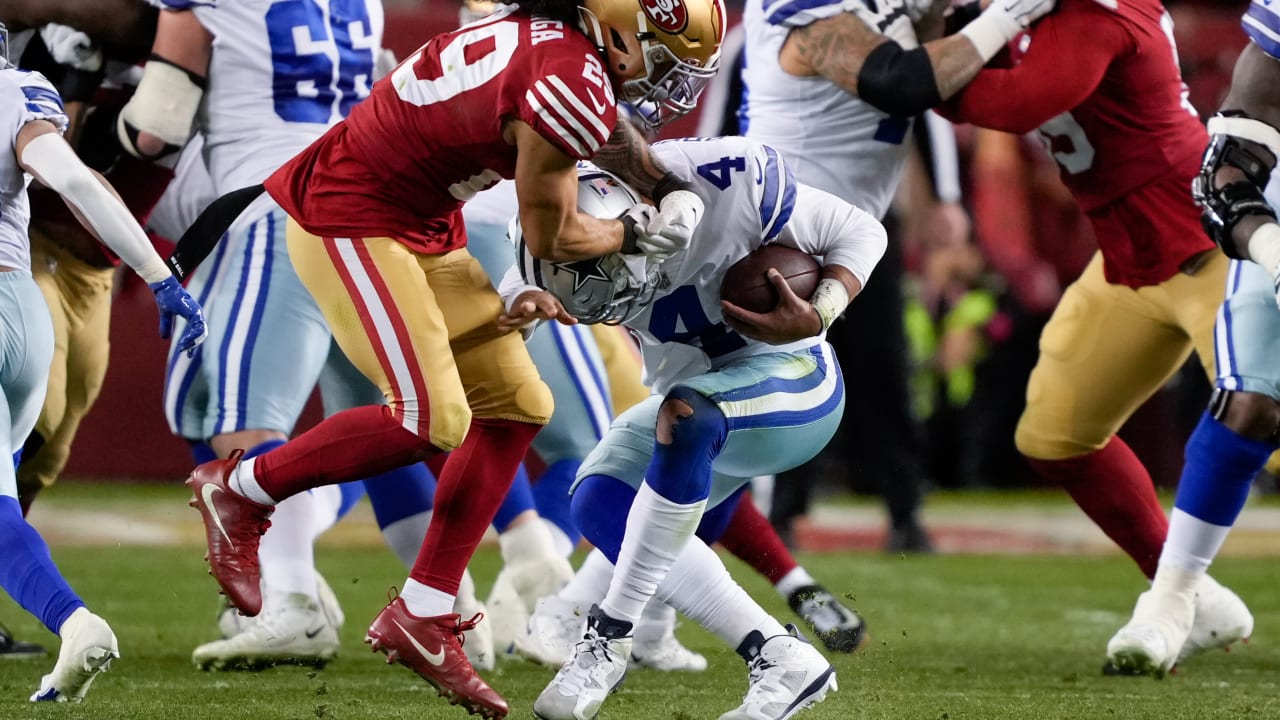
[626, 154]
[844, 49]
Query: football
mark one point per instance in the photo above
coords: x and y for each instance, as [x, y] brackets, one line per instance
[746, 283]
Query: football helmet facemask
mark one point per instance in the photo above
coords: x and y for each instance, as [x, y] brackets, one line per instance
[4, 46]
[678, 42]
[610, 289]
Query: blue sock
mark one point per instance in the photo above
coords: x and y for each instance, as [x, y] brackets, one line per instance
[519, 499]
[551, 496]
[17, 459]
[681, 471]
[600, 506]
[351, 494]
[27, 572]
[716, 520]
[262, 448]
[201, 452]
[1219, 469]
[397, 494]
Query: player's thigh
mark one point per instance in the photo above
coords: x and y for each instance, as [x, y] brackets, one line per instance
[55, 403]
[782, 409]
[1196, 301]
[89, 332]
[627, 447]
[343, 387]
[496, 370]
[622, 366]
[1247, 333]
[569, 363]
[388, 321]
[1104, 351]
[267, 339]
[25, 354]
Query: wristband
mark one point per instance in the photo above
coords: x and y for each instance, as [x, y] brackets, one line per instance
[629, 240]
[153, 270]
[829, 300]
[669, 184]
[1264, 247]
[991, 31]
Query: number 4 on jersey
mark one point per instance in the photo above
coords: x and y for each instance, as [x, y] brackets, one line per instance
[718, 173]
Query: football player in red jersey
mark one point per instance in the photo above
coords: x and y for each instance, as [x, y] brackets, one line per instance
[1128, 143]
[376, 235]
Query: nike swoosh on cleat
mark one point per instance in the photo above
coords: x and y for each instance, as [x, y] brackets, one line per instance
[206, 493]
[312, 633]
[435, 658]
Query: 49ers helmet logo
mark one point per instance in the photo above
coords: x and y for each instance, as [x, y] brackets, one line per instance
[668, 15]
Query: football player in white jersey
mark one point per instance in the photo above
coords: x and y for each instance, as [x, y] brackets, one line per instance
[260, 80]
[32, 115]
[1241, 427]
[736, 394]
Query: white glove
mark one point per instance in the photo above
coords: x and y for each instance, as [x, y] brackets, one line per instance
[670, 229]
[1001, 22]
[69, 46]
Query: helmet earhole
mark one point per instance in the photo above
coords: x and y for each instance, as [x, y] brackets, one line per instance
[618, 44]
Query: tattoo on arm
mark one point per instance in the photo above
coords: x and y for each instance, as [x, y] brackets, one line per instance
[627, 154]
[836, 47]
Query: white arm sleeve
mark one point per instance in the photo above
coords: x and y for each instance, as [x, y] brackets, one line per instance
[51, 159]
[826, 226]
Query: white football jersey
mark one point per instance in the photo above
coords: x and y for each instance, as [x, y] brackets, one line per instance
[282, 72]
[186, 196]
[832, 139]
[751, 198]
[24, 97]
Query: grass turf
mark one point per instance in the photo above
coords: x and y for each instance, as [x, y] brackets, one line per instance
[951, 637]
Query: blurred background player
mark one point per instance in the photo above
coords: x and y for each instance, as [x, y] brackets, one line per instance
[1239, 430]
[834, 86]
[1127, 143]
[408, 295]
[653, 473]
[35, 119]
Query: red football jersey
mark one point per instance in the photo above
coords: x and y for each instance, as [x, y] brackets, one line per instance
[1100, 81]
[429, 136]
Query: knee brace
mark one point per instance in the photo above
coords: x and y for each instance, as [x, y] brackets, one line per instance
[681, 471]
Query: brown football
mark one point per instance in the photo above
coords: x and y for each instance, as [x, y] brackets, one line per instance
[746, 283]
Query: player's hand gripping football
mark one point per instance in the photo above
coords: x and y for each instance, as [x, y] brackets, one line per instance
[531, 306]
[172, 299]
[668, 231]
[792, 319]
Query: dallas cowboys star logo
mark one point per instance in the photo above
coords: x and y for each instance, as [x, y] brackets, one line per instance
[584, 271]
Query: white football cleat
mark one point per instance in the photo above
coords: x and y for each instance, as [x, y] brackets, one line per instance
[656, 646]
[88, 647]
[596, 668]
[1149, 643]
[555, 626]
[786, 676]
[1221, 619]
[294, 631]
[516, 591]
[232, 623]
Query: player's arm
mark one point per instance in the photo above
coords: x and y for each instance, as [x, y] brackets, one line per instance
[1243, 149]
[1042, 86]
[845, 50]
[850, 242]
[123, 23]
[547, 187]
[43, 153]
[159, 117]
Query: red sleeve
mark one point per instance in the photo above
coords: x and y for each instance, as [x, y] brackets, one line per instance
[570, 103]
[1070, 51]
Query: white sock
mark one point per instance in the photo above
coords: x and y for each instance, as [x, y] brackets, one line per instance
[405, 535]
[700, 587]
[243, 482]
[793, 581]
[285, 553]
[657, 530]
[466, 599]
[1192, 543]
[528, 542]
[425, 601]
[656, 621]
[326, 500]
[589, 585]
[559, 541]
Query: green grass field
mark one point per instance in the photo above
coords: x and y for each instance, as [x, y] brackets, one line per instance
[952, 636]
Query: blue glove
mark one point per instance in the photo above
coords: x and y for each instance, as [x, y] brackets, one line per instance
[172, 300]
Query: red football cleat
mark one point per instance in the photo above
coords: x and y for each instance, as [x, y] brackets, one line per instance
[432, 648]
[233, 525]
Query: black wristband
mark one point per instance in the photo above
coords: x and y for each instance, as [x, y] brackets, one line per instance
[669, 184]
[629, 246]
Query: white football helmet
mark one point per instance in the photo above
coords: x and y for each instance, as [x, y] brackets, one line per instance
[610, 289]
[677, 41]
[4, 46]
